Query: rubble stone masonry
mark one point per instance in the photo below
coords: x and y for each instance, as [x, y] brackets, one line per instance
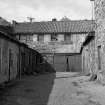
[100, 35]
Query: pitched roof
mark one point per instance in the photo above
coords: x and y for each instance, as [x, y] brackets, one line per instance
[3, 22]
[5, 26]
[54, 27]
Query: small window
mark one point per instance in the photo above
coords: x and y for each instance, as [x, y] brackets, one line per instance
[23, 38]
[41, 38]
[54, 37]
[35, 38]
[28, 37]
[31, 38]
[99, 57]
[67, 37]
[17, 36]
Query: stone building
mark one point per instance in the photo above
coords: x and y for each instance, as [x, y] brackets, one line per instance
[100, 35]
[59, 41]
[63, 36]
[95, 54]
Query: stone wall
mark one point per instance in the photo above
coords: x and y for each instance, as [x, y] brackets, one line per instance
[93, 54]
[60, 46]
[100, 35]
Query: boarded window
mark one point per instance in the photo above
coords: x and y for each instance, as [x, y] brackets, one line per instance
[41, 38]
[99, 57]
[54, 37]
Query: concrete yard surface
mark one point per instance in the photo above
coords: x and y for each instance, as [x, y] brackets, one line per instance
[54, 89]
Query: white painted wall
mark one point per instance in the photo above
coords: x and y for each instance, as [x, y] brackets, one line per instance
[60, 37]
[47, 38]
[35, 38]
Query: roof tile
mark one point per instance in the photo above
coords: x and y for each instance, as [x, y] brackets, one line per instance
[54, 27]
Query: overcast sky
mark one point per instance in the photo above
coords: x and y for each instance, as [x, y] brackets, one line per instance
[41, 10]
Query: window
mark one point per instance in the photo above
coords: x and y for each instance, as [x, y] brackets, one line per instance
[17, 36]
[67, 37]
[54, 37]
[27, 37]
[99, 57]
[35, 37]
[23, 38]
[41, 38]
[31, 38]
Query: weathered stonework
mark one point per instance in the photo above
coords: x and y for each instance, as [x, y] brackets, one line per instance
[60, 46]
[93, 54]
[100, 35]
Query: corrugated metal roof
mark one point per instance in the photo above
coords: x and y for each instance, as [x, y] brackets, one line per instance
[54, 26]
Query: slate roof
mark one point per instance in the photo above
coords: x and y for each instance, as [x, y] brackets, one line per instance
[54, 27]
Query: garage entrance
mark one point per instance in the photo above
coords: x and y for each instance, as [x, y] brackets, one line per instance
[65, 62]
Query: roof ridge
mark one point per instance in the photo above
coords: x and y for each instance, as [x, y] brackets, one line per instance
[55, 26]
[53, 21]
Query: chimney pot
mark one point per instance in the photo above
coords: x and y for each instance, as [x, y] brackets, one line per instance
[54, 19]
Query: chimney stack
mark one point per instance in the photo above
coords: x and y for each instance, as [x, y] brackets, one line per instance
[54, 19]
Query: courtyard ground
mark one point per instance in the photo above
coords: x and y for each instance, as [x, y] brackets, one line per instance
[54, 89]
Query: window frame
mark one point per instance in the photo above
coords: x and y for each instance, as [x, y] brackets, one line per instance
[65, 38]
[54, 37]
[42, 39]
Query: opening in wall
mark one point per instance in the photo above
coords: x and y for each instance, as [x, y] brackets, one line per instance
[54, 37]
[68, 38]
[99, 57]
[40, 38]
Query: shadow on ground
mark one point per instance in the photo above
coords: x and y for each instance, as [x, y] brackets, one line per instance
[30, 90]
